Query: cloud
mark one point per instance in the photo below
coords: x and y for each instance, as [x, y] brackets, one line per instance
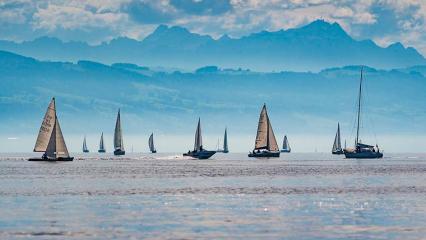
[201, 7]
[150, 12]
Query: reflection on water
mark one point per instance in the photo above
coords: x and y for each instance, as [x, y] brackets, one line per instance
[167, 196]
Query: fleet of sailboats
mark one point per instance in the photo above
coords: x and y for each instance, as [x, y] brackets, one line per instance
[286, 146]
[266, 143]
[118, 137]
[199, 152]
[151, 143]
[50, 140]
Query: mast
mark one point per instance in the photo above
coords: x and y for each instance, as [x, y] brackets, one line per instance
[359, 109]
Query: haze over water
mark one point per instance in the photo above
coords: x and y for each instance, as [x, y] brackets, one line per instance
[298, 196]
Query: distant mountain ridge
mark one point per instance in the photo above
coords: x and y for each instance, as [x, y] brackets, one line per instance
[313, 47]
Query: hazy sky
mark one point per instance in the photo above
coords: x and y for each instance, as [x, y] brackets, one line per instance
[94, 21]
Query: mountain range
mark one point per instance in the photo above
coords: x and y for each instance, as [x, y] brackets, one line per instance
[313, 47]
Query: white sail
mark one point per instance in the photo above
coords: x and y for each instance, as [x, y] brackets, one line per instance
[84, 145]
[286, 144]
[337, 146]
[262, 130]
[118, 137]
[151, 143]
[46, 129]
[198, 139]
[101, 142]
[225, 141]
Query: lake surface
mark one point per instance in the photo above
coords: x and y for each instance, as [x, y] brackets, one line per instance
[166, 196]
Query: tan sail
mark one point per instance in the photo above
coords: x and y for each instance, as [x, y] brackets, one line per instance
[46, 129]
[272, 141]
[118, 137]
[198, 139]
[61, 147]
[262, 130]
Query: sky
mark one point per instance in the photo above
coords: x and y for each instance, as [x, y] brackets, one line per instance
[96, 21]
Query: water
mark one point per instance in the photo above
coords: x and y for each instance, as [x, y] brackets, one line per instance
[166, 196]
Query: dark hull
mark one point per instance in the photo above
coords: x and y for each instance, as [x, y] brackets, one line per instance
[85, 151]
[155, 151]
[60, 159]
[363, 155]
[285, 151]
[119, 152]
[264, 154]
[200, 154]
[338, 152]
[101, 151]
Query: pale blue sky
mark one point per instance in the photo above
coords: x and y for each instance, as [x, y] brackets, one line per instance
[94, 21]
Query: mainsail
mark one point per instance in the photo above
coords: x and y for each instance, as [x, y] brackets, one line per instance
[151, 143]
[286, 145]
[337, 146]
[225, 142]
[101, 142]
[265, 138]
[50, 139]
[85, 145]
[118, 137]
[198, 139]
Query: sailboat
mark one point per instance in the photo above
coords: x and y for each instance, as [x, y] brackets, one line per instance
[50, 139]
[286, 145]
[151, 143]
[85, 149]
[118, 137]
[337, 145]
[266, 143]
[362, 150]
[199, 152]
[101, 144]
[225, 143]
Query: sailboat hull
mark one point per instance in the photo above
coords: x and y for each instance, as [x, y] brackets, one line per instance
[264, 154]
[85, 151]
[119, 152]
[338, 152]
[364, 155]
[101, 151]
[285, 151]
[200, 154]
[59, 159]
[154, 151]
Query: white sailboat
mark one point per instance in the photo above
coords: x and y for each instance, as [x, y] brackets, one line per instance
[362, 150]
[101, 144]
[286, 146]
[50, 139]
[85, 149]
[266, 143]
[225, 143]
[118, 137]
[199, 152]
[151, 144]
[337, 145]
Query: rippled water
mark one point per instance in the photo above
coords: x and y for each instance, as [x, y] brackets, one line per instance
[299, 196]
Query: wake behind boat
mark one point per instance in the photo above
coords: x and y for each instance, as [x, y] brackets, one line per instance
[118, 137]
[199, 152]
[362, 150]
[266, 143]
[50, 139]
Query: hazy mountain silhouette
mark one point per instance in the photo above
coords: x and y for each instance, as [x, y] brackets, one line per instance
[89, 94]
[315, 46]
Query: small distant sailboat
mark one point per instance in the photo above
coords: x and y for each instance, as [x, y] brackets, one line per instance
[50, 139]
[118, 137]
[225, 143]
[85, 149]
[199, 152]
[266, 143]
[286, 146]
[362, 150]
[337, 145]
[101, 144]
[151, 143]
